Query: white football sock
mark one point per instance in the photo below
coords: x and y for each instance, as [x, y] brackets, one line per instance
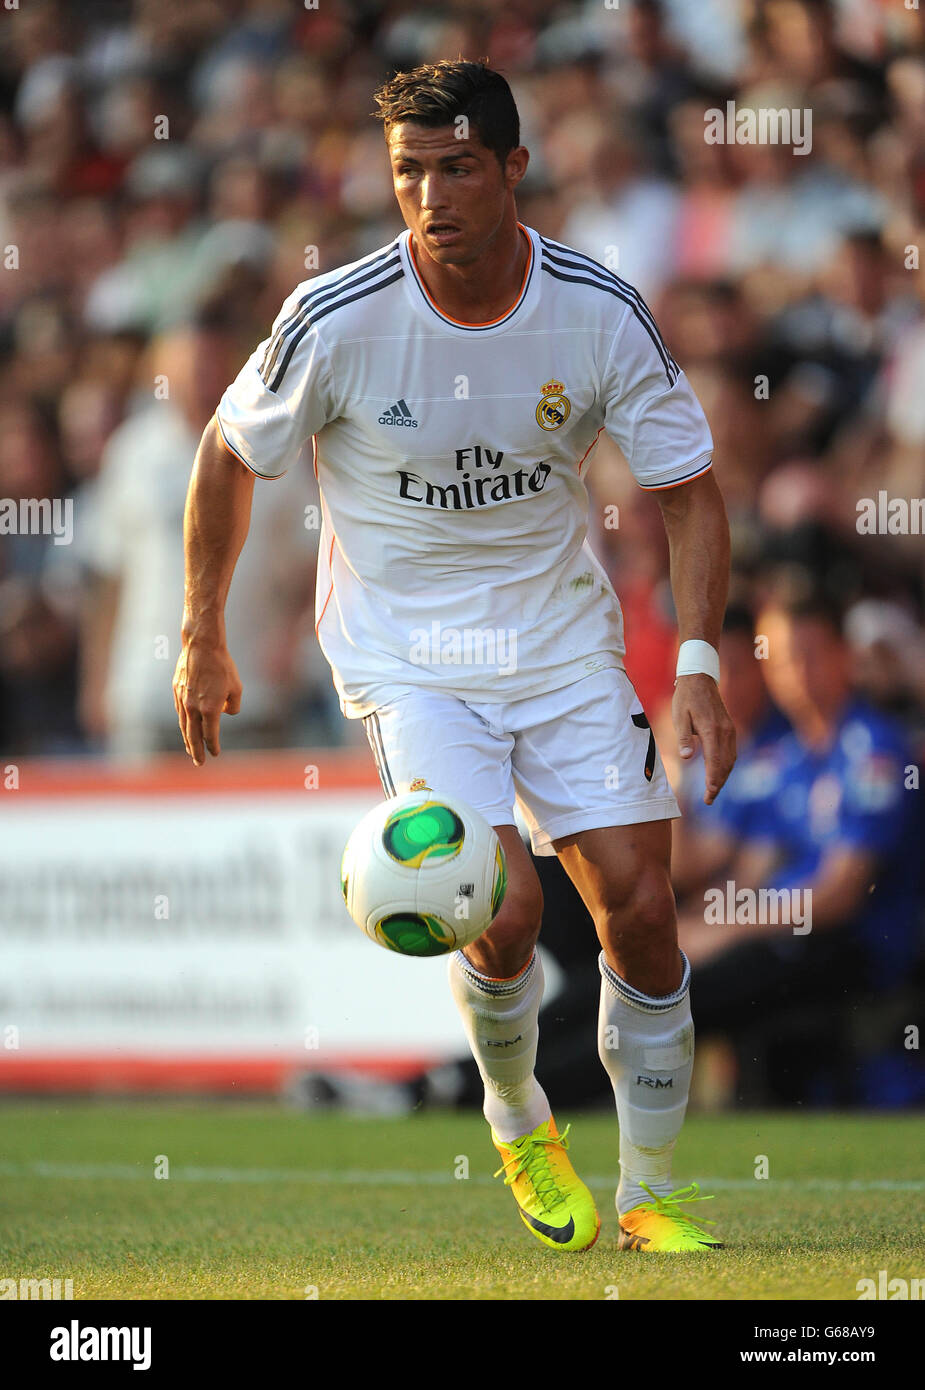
[646, 1045]
[500, 1019]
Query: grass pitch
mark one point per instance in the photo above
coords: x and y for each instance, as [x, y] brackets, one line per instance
[266, 1203]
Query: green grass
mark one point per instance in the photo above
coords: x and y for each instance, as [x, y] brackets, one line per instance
[79, 1200]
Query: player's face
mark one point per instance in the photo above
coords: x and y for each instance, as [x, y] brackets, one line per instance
[453, 193]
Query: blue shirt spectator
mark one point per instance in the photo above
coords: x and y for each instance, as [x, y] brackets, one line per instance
[809, 802]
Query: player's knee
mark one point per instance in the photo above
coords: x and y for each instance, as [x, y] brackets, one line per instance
[521, 914]
[508, 943]
[644, 908]
[639, 935]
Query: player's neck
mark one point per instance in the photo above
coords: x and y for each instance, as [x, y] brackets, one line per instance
[482, 290]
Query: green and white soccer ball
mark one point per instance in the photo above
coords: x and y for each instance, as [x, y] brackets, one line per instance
[423, 874]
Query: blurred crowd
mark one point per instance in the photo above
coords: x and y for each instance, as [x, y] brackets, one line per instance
[169, 169]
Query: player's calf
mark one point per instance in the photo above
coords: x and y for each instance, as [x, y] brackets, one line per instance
[637, 928]
[507, 946]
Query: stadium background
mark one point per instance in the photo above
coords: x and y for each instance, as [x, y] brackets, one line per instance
[169, 170]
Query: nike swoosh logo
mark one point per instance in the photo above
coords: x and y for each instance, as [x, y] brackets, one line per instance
[560, 1234]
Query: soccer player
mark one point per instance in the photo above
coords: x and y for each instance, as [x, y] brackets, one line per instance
[454, 383]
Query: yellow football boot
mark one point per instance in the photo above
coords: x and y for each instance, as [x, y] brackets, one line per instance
[552, 1200]
[660, 1225]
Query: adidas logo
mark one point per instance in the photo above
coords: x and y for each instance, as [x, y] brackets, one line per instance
[398, 414]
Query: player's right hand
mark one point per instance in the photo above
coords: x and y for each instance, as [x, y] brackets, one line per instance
[206, 685]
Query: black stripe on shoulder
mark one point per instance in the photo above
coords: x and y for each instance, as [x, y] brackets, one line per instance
[353, 277]
[315, 300]
[668, 362]
[273, 346]
[312, 318]
[318, 296]
[577, 260]
[559, 252]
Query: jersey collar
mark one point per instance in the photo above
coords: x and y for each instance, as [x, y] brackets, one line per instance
[423, 300]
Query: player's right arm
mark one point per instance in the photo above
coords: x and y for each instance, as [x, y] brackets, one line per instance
[218, 508]
[282, 396]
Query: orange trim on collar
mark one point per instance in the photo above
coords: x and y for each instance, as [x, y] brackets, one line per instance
[459, 322]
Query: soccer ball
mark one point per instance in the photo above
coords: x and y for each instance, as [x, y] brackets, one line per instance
[423, 874]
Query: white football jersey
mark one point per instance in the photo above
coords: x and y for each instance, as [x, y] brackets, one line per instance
[451, 460]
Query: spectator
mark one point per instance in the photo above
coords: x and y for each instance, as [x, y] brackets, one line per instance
[133, 550]
[837, 820]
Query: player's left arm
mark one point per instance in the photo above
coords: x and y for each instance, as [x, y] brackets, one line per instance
[698, 540]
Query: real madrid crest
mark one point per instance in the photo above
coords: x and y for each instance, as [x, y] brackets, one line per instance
[555, 407]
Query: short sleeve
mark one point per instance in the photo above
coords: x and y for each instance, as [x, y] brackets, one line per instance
[282, 395]
[650, 409]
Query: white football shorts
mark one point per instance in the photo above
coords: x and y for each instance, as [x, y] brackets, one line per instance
[577, 758]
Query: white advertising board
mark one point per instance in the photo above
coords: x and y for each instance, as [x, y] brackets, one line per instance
[188, 926]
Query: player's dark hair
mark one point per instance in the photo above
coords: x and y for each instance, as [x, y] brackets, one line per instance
[434, 94]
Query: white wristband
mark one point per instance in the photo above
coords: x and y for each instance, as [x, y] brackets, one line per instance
[697, 658]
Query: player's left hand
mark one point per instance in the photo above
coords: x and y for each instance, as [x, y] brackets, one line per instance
[700, 718]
